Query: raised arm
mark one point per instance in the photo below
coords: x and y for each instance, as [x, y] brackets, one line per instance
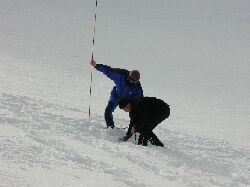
[114, 74]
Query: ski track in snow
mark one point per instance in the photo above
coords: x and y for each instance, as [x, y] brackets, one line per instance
[39, 139]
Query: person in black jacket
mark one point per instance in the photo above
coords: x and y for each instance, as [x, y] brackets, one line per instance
[145, 115]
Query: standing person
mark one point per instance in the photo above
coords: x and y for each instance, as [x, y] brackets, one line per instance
[127, 85]
[145, 115]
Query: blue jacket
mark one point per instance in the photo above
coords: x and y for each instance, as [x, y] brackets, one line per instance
[123, 87]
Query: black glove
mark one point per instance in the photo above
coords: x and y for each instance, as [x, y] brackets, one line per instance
[126, 137]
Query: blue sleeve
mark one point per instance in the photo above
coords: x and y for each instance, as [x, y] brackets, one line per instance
[110, 72]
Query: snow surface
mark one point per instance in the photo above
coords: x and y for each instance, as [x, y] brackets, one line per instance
[193, 54]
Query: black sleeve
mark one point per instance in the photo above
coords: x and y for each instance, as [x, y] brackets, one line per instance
[139, 127]
[129, 130]
[131, 124]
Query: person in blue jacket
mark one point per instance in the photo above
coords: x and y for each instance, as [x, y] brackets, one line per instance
[127, 84]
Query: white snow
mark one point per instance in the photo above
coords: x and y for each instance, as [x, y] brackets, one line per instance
[193, 54]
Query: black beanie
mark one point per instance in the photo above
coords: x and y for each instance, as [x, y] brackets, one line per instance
[123, 102]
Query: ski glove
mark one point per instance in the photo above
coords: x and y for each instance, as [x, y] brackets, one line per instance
[126, 137]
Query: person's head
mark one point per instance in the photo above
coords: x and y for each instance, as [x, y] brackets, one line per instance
[125, 104]
[134, 76]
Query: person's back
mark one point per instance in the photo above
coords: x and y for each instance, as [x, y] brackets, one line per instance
[150, 110]
[145, 115]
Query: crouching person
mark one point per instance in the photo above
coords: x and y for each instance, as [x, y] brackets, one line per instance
[145, 115]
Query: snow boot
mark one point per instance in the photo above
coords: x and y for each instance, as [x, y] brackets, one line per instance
[155, 141]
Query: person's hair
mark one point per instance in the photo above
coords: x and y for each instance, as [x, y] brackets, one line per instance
[135, 75]
[123, 102]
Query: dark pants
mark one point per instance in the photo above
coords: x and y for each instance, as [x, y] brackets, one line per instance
[149, 136]
[147, 132]
[108, 115]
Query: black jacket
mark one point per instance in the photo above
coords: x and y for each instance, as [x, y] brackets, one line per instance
[147, 113]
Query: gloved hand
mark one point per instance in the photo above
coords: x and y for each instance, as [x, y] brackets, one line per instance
[133, 130]
[126, 137]
[93, 63]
